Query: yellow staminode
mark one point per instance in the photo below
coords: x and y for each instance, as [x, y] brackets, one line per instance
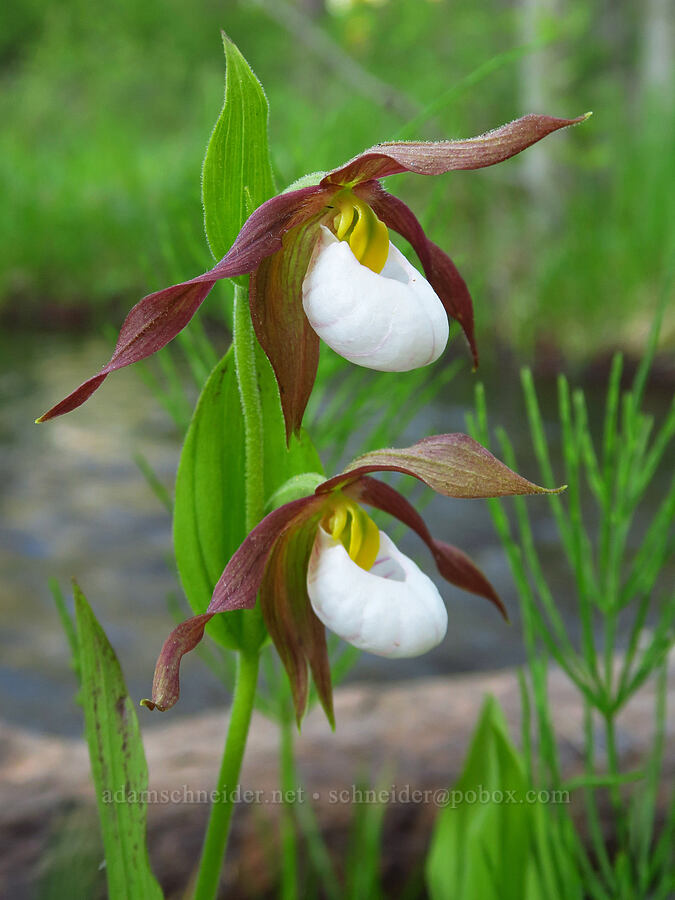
[357, 532]
[368, 237]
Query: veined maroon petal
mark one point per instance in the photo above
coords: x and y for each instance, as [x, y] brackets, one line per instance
[441, 272]
[236, 589]
[282, 328]
[319, 663]
[159, 317]
[453, 564]
[263, 231]
[459, 569]
[238, 586]
[429, 158]
[151, 324]
[451, 464]
[274, 603]
[297, 634]
[166, 682]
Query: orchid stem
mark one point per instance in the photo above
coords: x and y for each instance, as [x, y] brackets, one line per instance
[215, 840]
[244, 342]
[248, 658]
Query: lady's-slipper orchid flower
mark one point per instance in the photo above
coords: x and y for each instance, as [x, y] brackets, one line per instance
[392, 321]
[321, 561]
[322, 265]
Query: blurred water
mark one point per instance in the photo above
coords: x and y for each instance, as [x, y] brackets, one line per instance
[73, 503]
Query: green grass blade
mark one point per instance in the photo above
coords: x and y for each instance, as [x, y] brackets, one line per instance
[655, 548]
[156, 486]
[611, 418]
[644, 807]
[564, 645]
[318, 854]
[494, 64]
[652, 459]
[526, 724]
[640, 380]
[68, 626]
[363, 860]
[478, 428]
[588, 454]
[117, 759]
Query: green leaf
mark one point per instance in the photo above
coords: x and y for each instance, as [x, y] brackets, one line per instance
[600, 781]
[118, 763]
[237, 173]
[488, 843]
[210, 502]
[68, 626]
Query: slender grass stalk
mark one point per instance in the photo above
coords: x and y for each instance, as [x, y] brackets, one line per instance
[155, 483]
[557, 640]
[317, 852]
[661, 857]
[609, 576]
[217, 832]
[289, 842]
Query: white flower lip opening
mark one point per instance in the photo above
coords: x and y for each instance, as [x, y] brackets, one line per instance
[392, 321]
[392, 610]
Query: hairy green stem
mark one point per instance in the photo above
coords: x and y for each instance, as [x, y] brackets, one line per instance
[244, 344]
[248, 661]
[243, 341]
[215, 840]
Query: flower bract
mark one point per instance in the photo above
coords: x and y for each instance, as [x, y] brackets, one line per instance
[291, 282]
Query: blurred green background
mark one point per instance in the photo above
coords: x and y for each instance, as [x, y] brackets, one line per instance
[107, 107]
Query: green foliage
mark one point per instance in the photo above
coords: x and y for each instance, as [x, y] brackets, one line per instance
[237, 175]
[71, 865]
[483, 846]
[603, 292]
[214, 480]
[618, 582]
[362, 866]
[360, 875]
[353, 409]
[68, 626]
[209, 507]
[117, 760]
[487, 850]
[108, 104]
